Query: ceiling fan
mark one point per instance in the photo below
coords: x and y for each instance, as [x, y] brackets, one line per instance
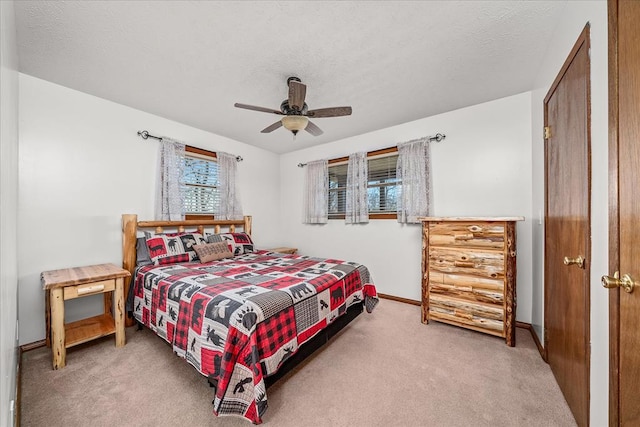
[296, 112]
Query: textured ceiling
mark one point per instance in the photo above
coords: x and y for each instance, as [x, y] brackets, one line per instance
[190, 61]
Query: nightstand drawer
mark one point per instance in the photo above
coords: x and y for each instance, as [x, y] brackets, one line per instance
[71, 292]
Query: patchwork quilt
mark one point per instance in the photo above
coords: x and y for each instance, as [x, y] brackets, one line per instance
[237, 320]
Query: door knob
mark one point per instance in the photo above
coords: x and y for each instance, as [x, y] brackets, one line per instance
[579, 261]
[626, 283]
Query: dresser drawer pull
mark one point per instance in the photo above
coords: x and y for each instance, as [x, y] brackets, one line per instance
[90, 289]
[466, 264]
[463, 237]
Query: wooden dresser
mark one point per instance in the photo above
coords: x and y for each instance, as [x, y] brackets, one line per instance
[469, 273]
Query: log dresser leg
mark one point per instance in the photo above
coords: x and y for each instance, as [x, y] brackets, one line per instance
[57, 329]
[118, 312]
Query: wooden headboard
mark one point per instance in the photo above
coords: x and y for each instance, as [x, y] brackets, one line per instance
[131, 225]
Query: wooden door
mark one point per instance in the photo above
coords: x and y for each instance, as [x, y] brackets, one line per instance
[567, 228]
[624, 214]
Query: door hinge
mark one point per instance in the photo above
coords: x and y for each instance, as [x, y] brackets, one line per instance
[547, 132]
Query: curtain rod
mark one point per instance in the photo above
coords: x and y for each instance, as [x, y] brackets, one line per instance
[145, 135]
[437, 138]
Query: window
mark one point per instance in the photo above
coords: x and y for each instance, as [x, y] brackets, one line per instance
[382, 185]
[201, 196]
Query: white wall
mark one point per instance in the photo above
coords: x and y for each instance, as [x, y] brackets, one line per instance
[82, 165]
[8, 212]
[573, 20]
[483, 167]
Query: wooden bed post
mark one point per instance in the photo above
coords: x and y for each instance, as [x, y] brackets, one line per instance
[129, 235]
[247, 224]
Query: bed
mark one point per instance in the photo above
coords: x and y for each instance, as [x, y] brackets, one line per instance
[244, 320]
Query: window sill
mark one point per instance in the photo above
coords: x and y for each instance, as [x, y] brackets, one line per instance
[198, 216]
[371, 216]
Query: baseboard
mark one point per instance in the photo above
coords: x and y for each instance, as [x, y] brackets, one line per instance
[32, 346]
[534, 335]
[399, 299]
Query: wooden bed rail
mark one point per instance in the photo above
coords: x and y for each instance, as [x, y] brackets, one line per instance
[130, 226]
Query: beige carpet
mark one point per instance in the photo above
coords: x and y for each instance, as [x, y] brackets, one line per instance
[385, 369]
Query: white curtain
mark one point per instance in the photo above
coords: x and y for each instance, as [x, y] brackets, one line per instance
[316, 195]
[357, 210]
[414, 173]
[229, 203]
[169, 188]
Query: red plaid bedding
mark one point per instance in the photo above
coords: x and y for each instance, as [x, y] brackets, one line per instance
[237, 320]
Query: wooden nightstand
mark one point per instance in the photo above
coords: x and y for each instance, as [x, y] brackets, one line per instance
[284, 250]
[69, 283]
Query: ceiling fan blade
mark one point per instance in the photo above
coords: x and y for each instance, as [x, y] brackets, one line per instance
[297, 93]
[272, 127]
[330, 112]
[313, 129]
[254, 108]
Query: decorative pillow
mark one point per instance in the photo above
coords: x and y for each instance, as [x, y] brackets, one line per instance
[166, 249]
[239, 243]
[213, 251]
[142, 252]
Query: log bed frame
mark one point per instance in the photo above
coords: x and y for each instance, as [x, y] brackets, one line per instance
[130, 227]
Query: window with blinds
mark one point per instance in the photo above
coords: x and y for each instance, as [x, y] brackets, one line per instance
[201, 194]
[337, 190]
[382, 187]
[382, 184]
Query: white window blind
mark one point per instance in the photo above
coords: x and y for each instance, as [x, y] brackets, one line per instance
[382, 186]
[201, 195]
[337, 190]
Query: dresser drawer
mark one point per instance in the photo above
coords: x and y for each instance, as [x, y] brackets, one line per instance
[460, 287]
[467, 234]
[485, 317]
[472, 262]
[71, 292]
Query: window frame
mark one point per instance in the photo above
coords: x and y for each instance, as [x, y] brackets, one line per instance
[370, 154]
[205, 153]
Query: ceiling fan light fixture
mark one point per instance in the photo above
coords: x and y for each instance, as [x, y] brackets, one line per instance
[294, 123]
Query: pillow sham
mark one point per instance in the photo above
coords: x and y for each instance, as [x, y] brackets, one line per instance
[142, 252]
[167, 249]
[239, 243]
[212, 251]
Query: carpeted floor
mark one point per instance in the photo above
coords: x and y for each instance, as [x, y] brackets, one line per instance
[385, 369]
